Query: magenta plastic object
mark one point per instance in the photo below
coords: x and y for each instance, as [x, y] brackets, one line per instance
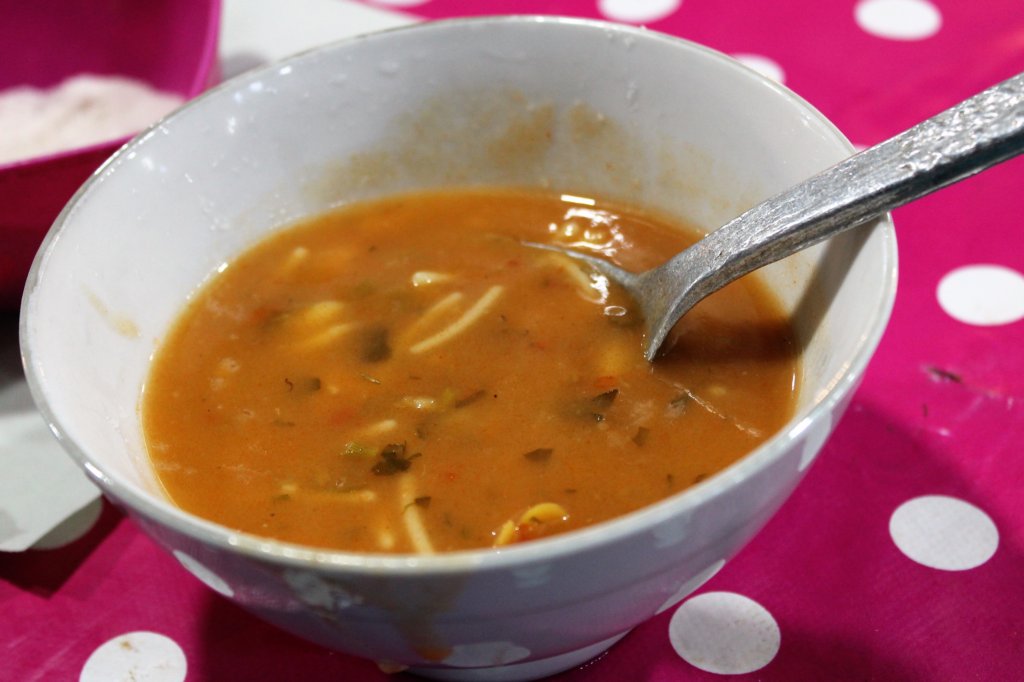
[170, 44]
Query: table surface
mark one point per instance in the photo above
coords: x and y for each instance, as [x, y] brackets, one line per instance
[900, 557]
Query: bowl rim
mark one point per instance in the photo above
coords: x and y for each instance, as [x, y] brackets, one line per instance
[590, 538]
[204, 74]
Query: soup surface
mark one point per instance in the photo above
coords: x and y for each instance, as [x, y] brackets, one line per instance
[406, 376]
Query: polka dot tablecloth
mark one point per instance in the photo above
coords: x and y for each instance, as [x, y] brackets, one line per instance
[901, 556]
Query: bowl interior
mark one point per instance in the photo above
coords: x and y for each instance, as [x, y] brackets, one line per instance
[574, 106]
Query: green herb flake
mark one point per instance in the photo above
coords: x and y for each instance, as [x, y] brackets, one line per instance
[594, 408]
[604, 400]
[539, 455]
[393, 460]
[681, 402]
[373, 344]
[469, 399]
[600, 403]
[422, 501]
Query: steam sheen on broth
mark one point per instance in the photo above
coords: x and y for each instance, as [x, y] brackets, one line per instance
[404, 375]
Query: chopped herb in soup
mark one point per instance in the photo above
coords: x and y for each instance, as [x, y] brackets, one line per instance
[404, 375]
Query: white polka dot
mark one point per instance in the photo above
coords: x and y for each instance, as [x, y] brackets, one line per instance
[983, 294]
[208, 577]
[899, 19]
[944, 532]
[72, 528]
[136, 657]
[691, 585]
[724, 633]
[768, 68]
[485, 654]
[637, 11]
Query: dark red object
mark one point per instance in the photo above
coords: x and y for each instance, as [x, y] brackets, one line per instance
[172, 45]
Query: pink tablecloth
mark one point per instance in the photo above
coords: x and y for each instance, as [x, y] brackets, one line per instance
[901, 557]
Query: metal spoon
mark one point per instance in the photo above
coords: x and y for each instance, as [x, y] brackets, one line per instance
[974, 135]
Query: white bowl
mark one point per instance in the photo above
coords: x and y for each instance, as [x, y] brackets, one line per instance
[632, 115]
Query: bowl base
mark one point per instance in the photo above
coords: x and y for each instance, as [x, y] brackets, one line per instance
[521, 672]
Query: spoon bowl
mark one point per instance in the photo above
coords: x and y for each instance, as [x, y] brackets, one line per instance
[976, 134]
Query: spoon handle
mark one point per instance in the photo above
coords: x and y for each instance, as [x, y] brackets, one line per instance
[970, 137]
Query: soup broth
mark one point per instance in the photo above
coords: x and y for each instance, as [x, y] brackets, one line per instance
[405, 375]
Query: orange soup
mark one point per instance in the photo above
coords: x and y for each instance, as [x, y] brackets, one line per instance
[405, 375]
